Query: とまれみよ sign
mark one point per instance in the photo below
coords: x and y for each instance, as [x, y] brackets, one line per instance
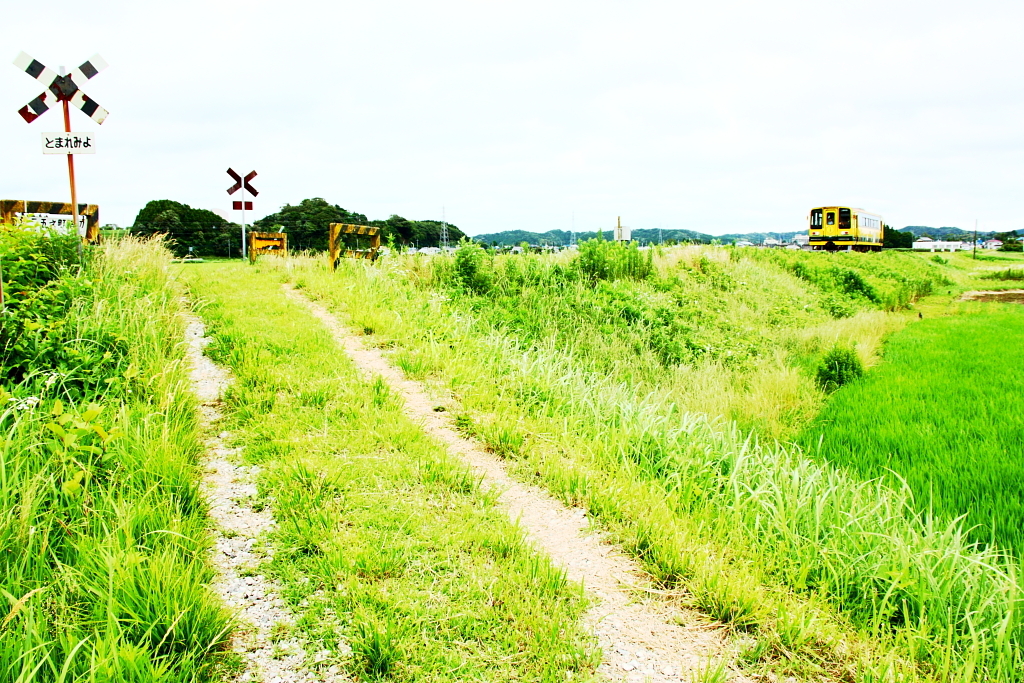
[69, 143]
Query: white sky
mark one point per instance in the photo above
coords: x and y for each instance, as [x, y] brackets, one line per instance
[728, 116]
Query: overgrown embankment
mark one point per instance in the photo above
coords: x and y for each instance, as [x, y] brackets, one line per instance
[401, 567]
[555, 363]
[103, 569]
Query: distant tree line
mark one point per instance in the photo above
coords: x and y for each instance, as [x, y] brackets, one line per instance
[308, 221]
[207, 233]
[896, 239]
[306, 224]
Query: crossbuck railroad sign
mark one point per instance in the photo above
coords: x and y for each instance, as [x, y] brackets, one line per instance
[243, 206]
[60, 88]
[64, 89]
[241, 182]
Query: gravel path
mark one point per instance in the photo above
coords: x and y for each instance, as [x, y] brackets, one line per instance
[642, 638]
[269, 653]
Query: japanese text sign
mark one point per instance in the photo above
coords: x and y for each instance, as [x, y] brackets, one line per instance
[69, 143]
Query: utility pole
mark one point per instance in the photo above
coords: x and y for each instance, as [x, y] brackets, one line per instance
[444, 231]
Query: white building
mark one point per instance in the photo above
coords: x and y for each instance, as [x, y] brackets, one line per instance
[925, 243]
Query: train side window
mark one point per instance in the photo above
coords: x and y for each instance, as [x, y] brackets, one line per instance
[830, 218]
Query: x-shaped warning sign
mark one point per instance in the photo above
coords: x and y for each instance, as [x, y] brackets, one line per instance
[240, 182]
[61, 88]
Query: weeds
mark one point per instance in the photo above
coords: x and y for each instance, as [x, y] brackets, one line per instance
[102, 530]
[648, 449]
[380, 531]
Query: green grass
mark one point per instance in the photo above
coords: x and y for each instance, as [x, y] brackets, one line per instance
[103, 533]
[940, 414]
[1007, 274]
[830, 575]
[384, 540]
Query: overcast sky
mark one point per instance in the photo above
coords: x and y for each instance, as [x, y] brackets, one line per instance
[729, 116]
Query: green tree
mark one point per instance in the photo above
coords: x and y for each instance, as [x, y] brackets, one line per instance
[402, 229]
[307, 223]
[1011, 241]
[896, 239]
[207, 233]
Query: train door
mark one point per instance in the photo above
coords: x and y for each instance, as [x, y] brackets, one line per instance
[830, 222]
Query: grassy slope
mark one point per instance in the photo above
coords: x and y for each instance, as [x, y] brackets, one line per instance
[102, 541]
[940, 412]
[737, 524]
[384, 540]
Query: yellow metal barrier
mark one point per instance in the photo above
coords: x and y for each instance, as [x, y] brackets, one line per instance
[335, 243]
[275, 243]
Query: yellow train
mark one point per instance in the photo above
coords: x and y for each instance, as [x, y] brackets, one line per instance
[840, 228]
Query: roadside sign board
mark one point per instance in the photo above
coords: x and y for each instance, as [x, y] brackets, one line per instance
[52, 216]
[69, 143]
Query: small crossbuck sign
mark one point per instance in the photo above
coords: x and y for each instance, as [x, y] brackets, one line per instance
[61, 88]
[241, 182]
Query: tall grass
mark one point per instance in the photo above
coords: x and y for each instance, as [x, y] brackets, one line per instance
[1005, 274]
[102, 529]
[939, 415]
[754, 530]
[384, 541]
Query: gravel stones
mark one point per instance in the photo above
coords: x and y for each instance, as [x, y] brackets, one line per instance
[237, 549]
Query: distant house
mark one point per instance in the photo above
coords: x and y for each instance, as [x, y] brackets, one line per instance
[992, 244]
[925, 243]
[743, 243]
[801, 240]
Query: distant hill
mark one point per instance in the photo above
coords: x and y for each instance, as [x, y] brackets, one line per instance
[562, 237]
[944, 233]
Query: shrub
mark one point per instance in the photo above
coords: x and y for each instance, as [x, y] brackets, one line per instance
[471, 267]
[601, 260]
[841, 365]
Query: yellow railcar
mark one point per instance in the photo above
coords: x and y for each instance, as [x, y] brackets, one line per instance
[840, 228]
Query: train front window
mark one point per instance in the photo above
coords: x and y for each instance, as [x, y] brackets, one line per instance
[844, 219]
[830, 218]
[816, 218]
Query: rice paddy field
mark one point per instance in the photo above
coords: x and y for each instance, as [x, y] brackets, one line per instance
[942, 415]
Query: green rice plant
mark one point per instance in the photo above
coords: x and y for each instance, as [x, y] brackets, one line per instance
[938, 422]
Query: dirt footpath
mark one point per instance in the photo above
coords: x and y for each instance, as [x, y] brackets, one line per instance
[643, 637]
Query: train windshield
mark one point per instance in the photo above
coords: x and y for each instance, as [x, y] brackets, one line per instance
[830, 218]
[844, 219]
[816, 218]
